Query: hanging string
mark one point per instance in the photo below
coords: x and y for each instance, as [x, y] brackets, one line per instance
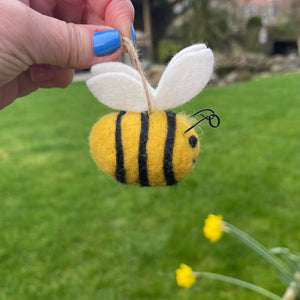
[136, 62]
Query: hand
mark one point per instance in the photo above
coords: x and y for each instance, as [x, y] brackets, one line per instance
[41, 45]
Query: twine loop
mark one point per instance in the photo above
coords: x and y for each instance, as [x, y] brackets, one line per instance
[137, 64]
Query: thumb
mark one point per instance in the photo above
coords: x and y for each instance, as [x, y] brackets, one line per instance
[120, 14]
[66, 45]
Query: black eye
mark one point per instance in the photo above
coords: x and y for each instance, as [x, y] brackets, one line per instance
[193, 141]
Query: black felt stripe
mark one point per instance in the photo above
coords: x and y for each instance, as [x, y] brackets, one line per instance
[142, 150]
[168, 155]
[120, 171]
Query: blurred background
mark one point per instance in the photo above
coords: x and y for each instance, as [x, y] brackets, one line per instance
[247, 36]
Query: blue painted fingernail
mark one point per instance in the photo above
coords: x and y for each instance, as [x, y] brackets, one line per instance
[106, 42]
[132, 35]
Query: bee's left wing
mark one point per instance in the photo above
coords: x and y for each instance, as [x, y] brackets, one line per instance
[185, 76]
[119, 86]
[115, 67]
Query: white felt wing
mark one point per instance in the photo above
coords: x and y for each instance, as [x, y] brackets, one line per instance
[190, 49]
[115, 67]
[119, 90]
[185, 76]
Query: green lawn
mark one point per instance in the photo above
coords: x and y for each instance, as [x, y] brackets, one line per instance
[68, 231]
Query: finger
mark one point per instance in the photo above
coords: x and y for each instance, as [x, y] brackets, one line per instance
[19, 87]
[46, 76]
[44, 7]
[26, 2]
[63, 44]
[120, 14]
[76, 11]
[37, 76]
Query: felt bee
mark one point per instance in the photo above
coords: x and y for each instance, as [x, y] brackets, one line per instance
[142, 147]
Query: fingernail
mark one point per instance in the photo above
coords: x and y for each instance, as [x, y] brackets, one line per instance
[132, 35]
[106, 42]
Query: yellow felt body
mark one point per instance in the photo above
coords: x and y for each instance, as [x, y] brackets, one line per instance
[184, 155]
[103, 146]
[130, 133]
[155, 147]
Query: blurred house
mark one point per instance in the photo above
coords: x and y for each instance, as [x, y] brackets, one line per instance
[273, 13]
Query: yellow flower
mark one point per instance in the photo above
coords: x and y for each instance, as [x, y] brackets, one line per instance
[213, 227]
[185, 276]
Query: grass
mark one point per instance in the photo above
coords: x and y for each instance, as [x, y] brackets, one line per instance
[68, 231]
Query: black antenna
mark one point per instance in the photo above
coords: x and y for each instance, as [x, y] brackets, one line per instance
[208, 117]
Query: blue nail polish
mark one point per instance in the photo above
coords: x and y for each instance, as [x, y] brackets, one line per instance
[132, 35]
[106, 42]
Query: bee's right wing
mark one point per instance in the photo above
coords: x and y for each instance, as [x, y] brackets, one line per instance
[119, 86]
[185, 76]
[191, 49]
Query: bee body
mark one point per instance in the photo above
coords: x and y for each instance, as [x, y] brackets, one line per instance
[147, 149]
[145, 143]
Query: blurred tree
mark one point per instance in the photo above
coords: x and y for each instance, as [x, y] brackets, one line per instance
[254, 23]
[295, 9]
[161, 13]
[206, 21]
[251, 42]
[188, 21]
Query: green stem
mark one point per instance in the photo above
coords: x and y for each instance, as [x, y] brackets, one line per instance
[238, 282]
[260, 249]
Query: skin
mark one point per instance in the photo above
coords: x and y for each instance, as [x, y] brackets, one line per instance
[43, 41]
